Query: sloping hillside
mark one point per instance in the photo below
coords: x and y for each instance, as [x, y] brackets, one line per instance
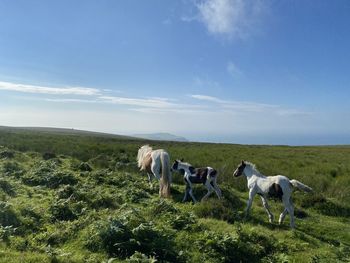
[77, 198]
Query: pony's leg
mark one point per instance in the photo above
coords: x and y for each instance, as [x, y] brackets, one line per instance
[210, 190]
[249, 202]
[289, 206]
[191, 192]
[217, 189]
[186, 192]
[267, 208]
[155, 170]
[282, 216]
[150, 180]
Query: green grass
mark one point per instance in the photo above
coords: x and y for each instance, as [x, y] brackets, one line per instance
[57, 210]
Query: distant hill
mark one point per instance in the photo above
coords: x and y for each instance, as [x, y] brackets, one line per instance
[65, 131]
[161, 137]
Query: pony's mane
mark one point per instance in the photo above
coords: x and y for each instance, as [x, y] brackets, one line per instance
[184, 163]
[253, 166]
[141, 154]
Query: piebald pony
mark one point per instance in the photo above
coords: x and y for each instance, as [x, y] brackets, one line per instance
[278, 186]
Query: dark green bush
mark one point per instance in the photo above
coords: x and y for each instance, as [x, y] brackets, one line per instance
[6, 153]
[324, 206]
[11, 168]
[66, 191]
[230, 248]
[48, 155]
[31, 219]
[66, 210]
[182, 221]
[129, 232]
[48, 174]
[104, 200]
[218, 209]
[85, 167]
[7, 215]
[138, 257]
[7, 187]
[6, 232]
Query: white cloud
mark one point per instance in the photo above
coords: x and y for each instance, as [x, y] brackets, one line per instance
[232, 18]
[242, 107]
[71, 100]
[207, 98]
[9, 86]
[147, 102]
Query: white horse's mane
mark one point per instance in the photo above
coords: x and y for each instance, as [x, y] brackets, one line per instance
[252, 166]
[142, 152]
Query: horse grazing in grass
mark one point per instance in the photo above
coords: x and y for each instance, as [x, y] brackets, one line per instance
[277, 186]
[156, 162]
[206, 176]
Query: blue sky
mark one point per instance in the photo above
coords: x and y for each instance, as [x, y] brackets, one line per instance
[254, 71]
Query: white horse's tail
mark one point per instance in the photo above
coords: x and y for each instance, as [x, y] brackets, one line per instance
[165, 180]
[300, 185]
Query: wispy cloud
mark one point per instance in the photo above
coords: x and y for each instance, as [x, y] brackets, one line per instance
[9, 86]
[71, 100]
[232, 18]
[246, 106]
[233, 70]
[207, 98]
[141, 102]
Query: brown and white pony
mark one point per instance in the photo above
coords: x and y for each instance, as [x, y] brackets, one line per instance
[156, 162]
[277, 186]
[206, 176]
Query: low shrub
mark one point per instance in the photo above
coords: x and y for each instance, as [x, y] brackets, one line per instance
[242, 247]
[7, 215]
[130, 232]
[6, 153]
[7, 187]
[66, 210]
[324, 206]
[11, 168]
[138, 257]
[6, 232]
[48, 155]
[48, 174]
[85, 167]
[218, 209]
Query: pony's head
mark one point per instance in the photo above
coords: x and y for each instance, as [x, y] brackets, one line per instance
[240, 169]
[175, 165]
[142, 153]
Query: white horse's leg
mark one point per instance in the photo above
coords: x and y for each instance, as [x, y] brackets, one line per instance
[267, 208]
[155, 170]
[289, 206]
[282, 216]
[150, 180]
[210, 190]
[217, 189]
[249, 202]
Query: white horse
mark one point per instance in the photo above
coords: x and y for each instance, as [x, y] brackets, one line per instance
[205, 175]
[156, 162]
[277, 186]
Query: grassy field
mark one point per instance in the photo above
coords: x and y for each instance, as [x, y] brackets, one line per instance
[79, 197]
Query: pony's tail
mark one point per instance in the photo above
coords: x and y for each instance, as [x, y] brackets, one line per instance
[165, 180]
[300, 186]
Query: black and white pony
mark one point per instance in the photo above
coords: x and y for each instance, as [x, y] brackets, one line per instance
[206, 176]
[277, 186]
[156, 162]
